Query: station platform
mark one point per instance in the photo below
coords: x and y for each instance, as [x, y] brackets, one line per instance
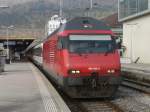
[138, 67]
[23, 88]
[140, 72]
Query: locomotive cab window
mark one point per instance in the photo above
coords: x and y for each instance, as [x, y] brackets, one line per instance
[91, 44]
[59, 44]
[62, 43]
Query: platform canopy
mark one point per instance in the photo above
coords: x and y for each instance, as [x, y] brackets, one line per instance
[17, 38]
[20, 33]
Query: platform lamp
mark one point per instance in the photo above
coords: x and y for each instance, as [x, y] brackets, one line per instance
[8, 60]
[5, 7]
[89, 8]
[92, 5]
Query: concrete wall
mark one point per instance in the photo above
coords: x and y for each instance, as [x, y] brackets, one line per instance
[136, 38]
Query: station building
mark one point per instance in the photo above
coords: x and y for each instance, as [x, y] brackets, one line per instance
[135, 15]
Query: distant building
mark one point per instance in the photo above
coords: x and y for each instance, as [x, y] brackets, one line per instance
[135, 15]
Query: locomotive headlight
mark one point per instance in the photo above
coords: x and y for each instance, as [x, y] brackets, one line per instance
[73, 71]
[77, 71]
[111, 71]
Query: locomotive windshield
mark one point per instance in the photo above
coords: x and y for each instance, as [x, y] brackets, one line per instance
[91, 44]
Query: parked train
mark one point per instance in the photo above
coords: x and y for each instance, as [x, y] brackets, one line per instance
[82, 58]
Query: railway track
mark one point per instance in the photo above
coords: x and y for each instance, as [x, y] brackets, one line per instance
[132, 100]
[133, 96]
[138, 85]
[94, 106]
[100, 106]
[126, 100]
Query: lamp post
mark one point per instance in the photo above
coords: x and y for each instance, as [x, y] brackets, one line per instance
[5, 7]
[60, 7]
[91, 4]
[8, 60]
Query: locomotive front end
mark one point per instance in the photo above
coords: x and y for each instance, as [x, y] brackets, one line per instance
[94, 66]
[82, 58]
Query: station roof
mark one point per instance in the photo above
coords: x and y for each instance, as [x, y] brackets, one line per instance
[19, 33]
[17, 38]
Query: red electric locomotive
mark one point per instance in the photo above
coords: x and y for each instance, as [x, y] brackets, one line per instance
[82, 58]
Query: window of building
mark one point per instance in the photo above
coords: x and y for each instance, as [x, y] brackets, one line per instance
[131, 7]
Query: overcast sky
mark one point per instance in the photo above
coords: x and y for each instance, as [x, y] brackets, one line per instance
[12, 2]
